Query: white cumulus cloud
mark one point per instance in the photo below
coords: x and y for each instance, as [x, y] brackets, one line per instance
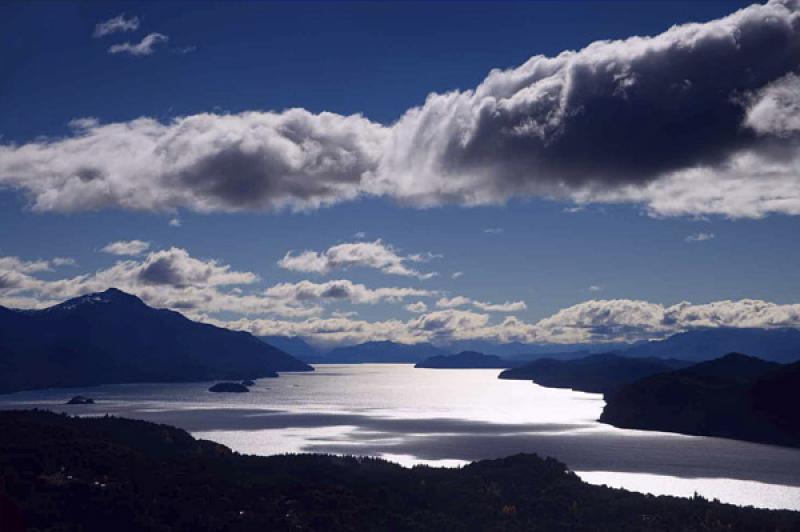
[615, 122]
[377, 255]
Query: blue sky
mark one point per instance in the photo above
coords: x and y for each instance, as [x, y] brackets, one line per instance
[551, 251]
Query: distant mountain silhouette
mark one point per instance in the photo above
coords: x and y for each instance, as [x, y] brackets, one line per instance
[779, 345]
[522, 351]
[466, 360]
[595, 373]
[736, 396]
[114, 337]
[385, 352]
[295, 346]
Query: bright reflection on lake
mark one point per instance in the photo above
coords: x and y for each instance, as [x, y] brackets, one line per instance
[447, 418]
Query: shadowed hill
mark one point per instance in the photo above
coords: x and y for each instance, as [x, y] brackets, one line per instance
[101, 474]
[114, 337]
[595, 373]
[736, 396]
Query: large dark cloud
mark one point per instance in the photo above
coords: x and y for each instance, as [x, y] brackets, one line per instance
[204, 162]
[701, 119]
[614, 114]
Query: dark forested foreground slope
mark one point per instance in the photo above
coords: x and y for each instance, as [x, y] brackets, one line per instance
[736, 396]
[595, 373]
[114, 337]
[101, 474]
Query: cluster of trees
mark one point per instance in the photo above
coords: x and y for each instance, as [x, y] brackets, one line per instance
[65, 473]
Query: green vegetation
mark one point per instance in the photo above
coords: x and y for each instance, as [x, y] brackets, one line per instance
[100, 474]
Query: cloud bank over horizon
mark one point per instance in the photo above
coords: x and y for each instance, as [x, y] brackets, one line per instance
[703, 119]
[209, 290]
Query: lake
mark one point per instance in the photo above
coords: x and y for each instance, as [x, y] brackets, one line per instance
[447, 418]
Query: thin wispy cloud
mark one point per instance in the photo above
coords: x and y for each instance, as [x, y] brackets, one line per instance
[493, 230]
[126, 247]
[699, 237]
[118, 24]
[418, 307]
[461, 301]
[24, 266]
[147, 46]
[64, 261]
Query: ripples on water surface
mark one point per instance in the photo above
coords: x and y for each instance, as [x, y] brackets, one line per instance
[448, 417]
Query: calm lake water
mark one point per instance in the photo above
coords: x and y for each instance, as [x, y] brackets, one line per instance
[447, 418]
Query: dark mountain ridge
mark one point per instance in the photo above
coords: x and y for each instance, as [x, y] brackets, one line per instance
[114, 337]
[595, 373]
[736, 396]
[779, 344]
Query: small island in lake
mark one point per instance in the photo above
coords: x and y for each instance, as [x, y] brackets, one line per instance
[465, 360]
[736, 396]
[229, 387]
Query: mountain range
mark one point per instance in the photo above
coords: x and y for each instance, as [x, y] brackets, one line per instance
[384, 352]
[465, 360]
[114, 337]
[778, 344]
